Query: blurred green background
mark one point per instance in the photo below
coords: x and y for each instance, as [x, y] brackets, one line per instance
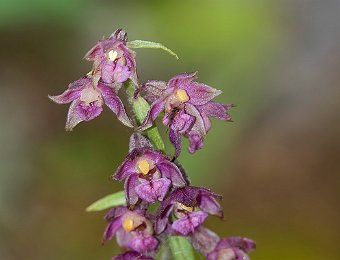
[277, 164]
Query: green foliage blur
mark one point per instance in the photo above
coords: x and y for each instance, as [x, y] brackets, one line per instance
[276, 164]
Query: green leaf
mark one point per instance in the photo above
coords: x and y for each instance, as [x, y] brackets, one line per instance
[180, 248]
[150, 45]
[140, 108]
[109, 201]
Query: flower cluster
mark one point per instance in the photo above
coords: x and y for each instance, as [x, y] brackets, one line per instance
[151, 177]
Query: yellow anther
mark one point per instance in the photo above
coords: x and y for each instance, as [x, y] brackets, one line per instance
[143, 166]
[113, 55]
[182, 95]
[186, 208]
[128, 224]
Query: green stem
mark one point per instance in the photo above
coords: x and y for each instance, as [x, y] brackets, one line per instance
[140, 108]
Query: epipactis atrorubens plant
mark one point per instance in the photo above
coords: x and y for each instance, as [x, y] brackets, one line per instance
[152, 178]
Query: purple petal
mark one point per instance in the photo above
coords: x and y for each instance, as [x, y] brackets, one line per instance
[204, 240]
[153, 90]
[175, 139]
[195, 142]
[199, 93]
[112, 228]
[88, 112]
[170, 171]
[210, 205]
[225, 254]
[112, 100]
[242, 243]
[73, 118]
[156, 108]
[137, 140]
[199, 124]
[214, 109]
[143, 243]
[182, 79]
[122, 73]
[130, 255]
[123, 238]
[127, 168]
[153, 190]
[188, 224]
[73, 91]
[182, 122]
[129, 186]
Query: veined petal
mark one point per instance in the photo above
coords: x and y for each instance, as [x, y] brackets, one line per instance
[204, 240]
[200, 93]
[129, 186]
[170, 171]
[153, 190]
[73, 118]
[188, 224]
[182, 79]
[175, 139]
[112, 100]
[112, 228]
[142, 243]
[155, 109]
[210, 205]
[153, 90]
[73, 91]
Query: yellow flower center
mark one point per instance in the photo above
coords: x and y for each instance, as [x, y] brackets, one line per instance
[182, 95]
[186, 208]
[143, 166]
[128, 224]
[113, 55]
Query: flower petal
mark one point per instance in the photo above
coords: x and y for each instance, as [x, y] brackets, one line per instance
[129, 255]
[175, 139]
[188, 223]
[73, 91]
[112, 228]
[112, 100]
[170, 171]
[199, 93]
[156, 108]
[153, 190]
[137, 140]
[210, 205]
[143, 243]
[73, 118]
[195, 142]
[204, 240]
[182, 79]
[153, 90]
[129, 186]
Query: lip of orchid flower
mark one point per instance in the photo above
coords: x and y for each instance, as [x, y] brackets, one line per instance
[87, 100]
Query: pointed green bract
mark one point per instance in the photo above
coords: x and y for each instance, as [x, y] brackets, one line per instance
[180, 248]
[109, 201]
[150, 45]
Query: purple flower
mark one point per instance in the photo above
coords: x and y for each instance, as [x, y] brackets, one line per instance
[87, 98]
[115, 62]
[187, 105]
[130, 255]
[132, 228]
[190, 206]
[232, 248]
[149, 173]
